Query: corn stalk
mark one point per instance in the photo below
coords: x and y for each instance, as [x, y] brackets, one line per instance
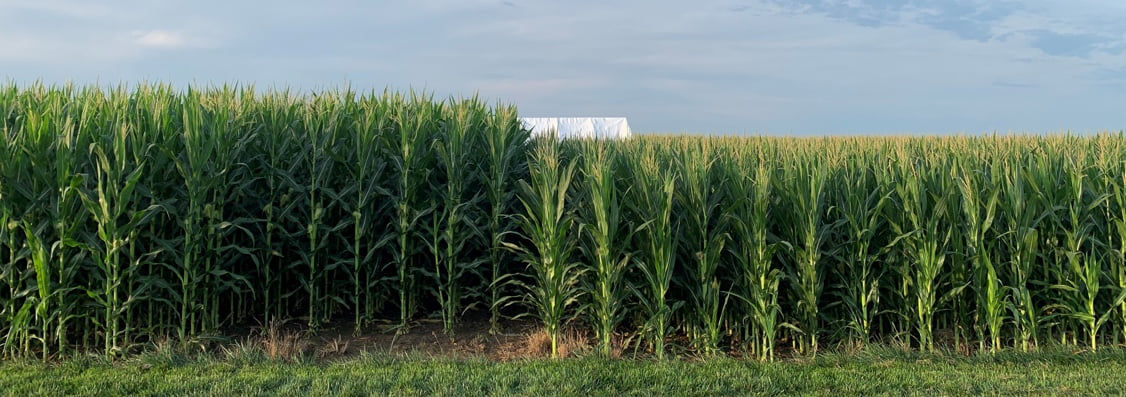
[547, 224]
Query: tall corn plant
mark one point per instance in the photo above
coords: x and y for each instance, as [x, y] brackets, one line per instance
[208, 164]
[366, 168]
[548, 226]
[156, 110]
[227, 234]
[920, 230]
[505, 146]
[407, 153]
[808, 232]
[758, 277]
[456, 226]
[37, 136]
[1115, 180]
[31, 322]
[860, 200]
[277, 145]
[1083, 273]
[979, 208]
[703, 238]
[653, 204]
[69, 216]
[111, 199]
[605, 244]
[323, 121]
[14, 166]
[26, 190]
[38, 172]
[1023, 214]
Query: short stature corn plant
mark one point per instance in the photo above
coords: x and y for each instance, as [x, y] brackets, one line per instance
[548, 226]
[1115, 182]
[1083, 266]
[758, 277]
[605, 241]
[979, 205]
[1023, 213]
[653, 203]
[703, 238]
[920, 231]
[860, 201]
[808, 232]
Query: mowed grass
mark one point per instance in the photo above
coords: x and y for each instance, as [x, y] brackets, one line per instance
[880, 371]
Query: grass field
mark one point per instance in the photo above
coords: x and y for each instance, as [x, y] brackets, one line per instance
[879, 371]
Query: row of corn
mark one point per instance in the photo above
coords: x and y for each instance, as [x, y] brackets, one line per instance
[133, 214]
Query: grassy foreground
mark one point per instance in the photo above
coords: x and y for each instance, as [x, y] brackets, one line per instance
[880, 372]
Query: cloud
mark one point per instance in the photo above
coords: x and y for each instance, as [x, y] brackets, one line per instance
[160, 39]
[170, 39]
[1061, 30]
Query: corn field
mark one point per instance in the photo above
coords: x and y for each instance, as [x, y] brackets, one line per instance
[134, 214]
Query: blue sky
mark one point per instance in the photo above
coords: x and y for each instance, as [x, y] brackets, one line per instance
[755, 67]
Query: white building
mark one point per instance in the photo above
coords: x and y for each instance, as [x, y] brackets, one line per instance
[579, 127]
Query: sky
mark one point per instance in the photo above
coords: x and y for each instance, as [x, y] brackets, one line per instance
[806, 67]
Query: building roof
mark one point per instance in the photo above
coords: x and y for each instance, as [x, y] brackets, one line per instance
[579, 127]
